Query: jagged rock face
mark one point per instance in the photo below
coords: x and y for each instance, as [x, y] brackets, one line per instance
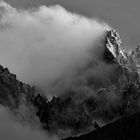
[127, 76]
[126, 71]
[12, 91]
[114, 52]
[123, 82]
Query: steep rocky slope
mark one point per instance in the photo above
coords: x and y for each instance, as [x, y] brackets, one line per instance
[119, 96]
[124, 81]
[114, 97]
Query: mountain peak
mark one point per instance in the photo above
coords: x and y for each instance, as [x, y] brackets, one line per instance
[114, 51]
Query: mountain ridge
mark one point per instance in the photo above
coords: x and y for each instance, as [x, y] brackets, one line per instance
[117, 97]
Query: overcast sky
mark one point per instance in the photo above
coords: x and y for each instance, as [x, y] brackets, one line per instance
[123, 15]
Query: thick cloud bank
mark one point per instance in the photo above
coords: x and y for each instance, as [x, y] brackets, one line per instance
[47, 43]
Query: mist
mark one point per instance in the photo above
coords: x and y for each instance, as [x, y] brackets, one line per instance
[10, 129]
[44, 44]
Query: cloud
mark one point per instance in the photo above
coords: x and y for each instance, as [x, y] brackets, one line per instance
[13, 130]
[46, 43]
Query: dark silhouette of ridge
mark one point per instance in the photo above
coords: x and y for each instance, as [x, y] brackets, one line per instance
[127, 128]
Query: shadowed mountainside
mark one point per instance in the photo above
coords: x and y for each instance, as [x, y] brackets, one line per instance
[126, 128]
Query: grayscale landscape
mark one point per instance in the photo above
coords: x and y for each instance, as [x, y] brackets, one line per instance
[69, 70]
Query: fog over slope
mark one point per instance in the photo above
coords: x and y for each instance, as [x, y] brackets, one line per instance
[10, 129]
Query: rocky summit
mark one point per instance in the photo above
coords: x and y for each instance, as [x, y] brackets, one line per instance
[114, 51]
[65, 116]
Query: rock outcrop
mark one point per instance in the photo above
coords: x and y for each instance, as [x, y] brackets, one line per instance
[114, 51]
